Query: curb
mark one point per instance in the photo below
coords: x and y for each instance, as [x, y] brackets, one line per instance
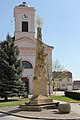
[33, 117]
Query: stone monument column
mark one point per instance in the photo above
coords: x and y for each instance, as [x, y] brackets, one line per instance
[40, 78]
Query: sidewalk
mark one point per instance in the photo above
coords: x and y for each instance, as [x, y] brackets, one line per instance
[50, 114]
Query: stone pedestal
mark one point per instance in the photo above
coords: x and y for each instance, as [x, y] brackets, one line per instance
[40, 92]
[40, 100]
[40, 87]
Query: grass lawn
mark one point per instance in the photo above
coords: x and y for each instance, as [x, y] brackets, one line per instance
[64, 98]
[13, 102]
[20, 101]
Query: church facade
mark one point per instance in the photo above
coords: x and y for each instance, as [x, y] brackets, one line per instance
[24, 16]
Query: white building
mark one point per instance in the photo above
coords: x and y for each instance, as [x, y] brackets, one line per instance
[25, 39]
[76, 84]
[62, 80]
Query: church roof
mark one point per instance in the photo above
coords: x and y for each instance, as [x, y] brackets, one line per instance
[23, 38]
[23, 4]
[49, 46]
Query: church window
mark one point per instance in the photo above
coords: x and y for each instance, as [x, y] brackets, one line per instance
[27, 64]
[24, 26]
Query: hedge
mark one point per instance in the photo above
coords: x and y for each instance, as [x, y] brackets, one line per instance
[73, 95]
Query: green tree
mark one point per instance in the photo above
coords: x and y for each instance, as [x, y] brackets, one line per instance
[10, 70]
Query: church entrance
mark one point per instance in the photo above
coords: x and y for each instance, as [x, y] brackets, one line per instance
[26, 80]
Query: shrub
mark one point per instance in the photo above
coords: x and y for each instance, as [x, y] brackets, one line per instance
[73, 95]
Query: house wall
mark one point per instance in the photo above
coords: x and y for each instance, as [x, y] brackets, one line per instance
[76, 85]
[64, 83]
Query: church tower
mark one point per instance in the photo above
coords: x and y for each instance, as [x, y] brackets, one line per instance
[24, 21]
[24, 17]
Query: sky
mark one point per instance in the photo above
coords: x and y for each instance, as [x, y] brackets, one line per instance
[61, 28]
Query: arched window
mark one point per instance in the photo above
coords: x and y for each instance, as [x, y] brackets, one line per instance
[27, 64]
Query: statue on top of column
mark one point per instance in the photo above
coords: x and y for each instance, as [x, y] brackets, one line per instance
[40, 54]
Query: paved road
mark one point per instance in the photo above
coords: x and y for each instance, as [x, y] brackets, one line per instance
[10, 117]
[58, 93]
[45, 114]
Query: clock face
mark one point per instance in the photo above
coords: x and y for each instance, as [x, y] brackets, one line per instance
[25, 17]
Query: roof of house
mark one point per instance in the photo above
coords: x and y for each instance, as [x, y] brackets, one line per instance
[76, 82]
[61, 74]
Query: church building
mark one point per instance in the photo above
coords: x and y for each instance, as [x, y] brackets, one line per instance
[24, 16]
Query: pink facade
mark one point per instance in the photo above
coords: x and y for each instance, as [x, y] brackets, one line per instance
[25, 39]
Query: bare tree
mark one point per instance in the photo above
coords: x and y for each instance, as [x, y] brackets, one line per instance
[58, 71]
[55, 67]
[49, 74]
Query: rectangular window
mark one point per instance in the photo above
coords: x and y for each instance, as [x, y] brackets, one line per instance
[63, 85]
[24, 26]
[60, 79]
